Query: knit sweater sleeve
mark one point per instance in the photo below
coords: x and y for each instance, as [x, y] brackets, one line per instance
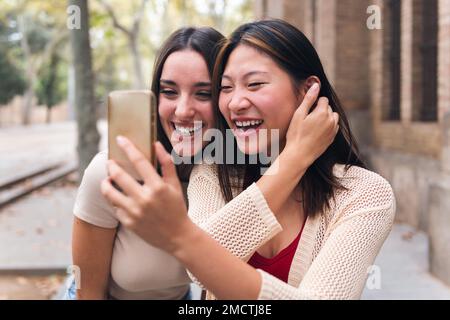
[242, 225]
[364, 218]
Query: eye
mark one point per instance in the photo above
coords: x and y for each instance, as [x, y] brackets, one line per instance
[225, 88]
[255, 85]
[170, 93]
[204, 95]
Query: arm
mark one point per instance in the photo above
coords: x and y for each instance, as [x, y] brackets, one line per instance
[338, 272]
[92, 251]
[94, 231]
[250, 218]
[240, 226]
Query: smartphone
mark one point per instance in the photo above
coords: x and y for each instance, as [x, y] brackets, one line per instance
[132, 114]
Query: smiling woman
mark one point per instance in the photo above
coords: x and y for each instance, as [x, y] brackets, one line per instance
[253, 87]
[114, 262]
[309, 228]
[185, 101]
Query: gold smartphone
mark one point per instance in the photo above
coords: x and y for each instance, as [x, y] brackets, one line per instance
[132, 114]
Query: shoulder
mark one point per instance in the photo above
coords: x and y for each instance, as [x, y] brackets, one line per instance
[96, 171]
[90, 205]
[205, 178]
[365, 190]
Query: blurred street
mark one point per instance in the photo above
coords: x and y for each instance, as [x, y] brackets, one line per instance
[35, 231]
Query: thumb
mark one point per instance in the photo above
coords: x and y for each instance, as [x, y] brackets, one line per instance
[169, 172]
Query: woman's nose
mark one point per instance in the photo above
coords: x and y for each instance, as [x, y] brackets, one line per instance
[184, 109]
[238, 103]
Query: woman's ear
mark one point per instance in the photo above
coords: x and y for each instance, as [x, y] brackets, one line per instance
[308, 83]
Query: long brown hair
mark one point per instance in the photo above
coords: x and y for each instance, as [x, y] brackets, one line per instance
[292, 52]
[206, 41]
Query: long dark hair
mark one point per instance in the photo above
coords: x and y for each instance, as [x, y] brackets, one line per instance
[206, 41]
[294, 53]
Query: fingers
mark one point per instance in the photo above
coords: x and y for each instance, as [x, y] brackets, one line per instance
[117, 198]
[336, 122]
[168, 169]
[127, 183]
[324, 113]
[139, 161]
[309, 99]
[125, 218]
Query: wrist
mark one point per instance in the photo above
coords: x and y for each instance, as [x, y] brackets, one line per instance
[186, 237]
[294, 161]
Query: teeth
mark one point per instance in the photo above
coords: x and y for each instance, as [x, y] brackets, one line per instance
[187, 131]
[248, 123]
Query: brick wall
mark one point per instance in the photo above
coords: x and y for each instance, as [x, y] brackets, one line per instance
[444, 57]
[300, 14]
[414, 156]
[325, 41]
[352, 51]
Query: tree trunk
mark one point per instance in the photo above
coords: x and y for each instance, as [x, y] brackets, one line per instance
[88, 136]
[132, 35]
[29, 69]
[27, 104]
[138, 78]
[48, 117]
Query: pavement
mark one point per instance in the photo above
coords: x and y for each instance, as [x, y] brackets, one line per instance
[402, 266]
[35, 231]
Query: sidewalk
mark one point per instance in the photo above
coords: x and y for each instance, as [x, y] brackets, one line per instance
[35, 232]
[403, 263]
[25, 148]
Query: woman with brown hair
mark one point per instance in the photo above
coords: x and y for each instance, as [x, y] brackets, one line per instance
[114, 263]
[311, 226]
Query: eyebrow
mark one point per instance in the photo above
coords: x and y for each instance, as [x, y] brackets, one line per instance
[248, 74]
[173, 83]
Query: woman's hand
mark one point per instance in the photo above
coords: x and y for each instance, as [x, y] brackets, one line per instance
[310, 134]
[156, 210]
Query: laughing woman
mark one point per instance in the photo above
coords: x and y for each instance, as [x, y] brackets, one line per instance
[114, 262]
[309, 228]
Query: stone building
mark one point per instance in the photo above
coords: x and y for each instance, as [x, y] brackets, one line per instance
[389, 61]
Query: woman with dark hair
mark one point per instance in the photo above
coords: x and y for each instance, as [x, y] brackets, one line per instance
[112, 261]
[311, 226]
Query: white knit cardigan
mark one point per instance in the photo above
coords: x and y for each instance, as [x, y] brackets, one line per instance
[336, 248]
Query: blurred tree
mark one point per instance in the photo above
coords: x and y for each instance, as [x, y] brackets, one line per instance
[132, 35]
[12, 81]
[50, 89]
[30, 69]
[35, 31]
[88, 136]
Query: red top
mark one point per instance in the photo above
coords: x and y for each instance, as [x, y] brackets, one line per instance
[279, 265]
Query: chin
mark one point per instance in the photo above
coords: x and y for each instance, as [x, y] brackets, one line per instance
[248, 149]
[186, 150]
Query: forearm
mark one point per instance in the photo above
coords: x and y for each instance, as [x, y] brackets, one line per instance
[222, 273]
[281, 178]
